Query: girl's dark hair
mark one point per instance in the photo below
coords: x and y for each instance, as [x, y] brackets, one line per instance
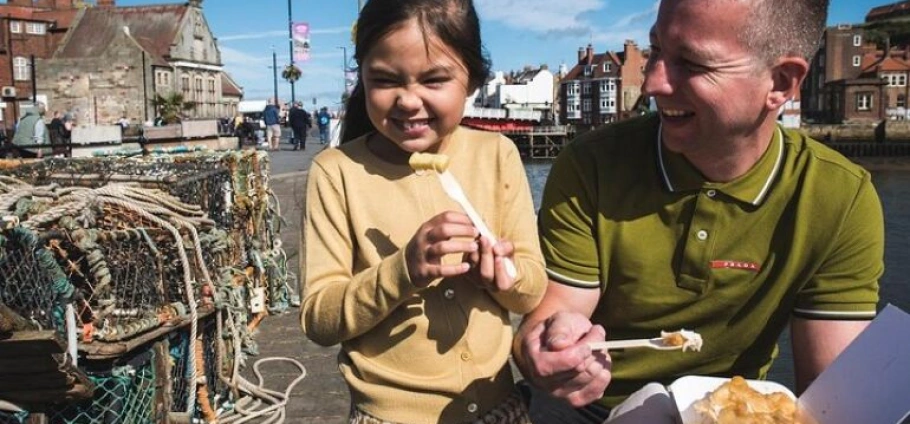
[454, 22]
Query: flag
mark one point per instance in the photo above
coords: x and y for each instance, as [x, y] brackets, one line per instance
[301, 35]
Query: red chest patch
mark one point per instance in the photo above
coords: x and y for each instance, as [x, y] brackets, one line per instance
[746, 266]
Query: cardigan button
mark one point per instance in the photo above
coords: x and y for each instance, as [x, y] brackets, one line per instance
[472, 407]
[449, 294]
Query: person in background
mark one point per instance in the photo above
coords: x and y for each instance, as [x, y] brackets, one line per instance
[419, 302]
[300, 122]
[57, 132]
[31, 131]
[707, 216]
[323, 119]
[271, 119]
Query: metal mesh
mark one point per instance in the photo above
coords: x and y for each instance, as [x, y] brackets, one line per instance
[179, 348]
[124, 393]
[31, 282]
[13, 418]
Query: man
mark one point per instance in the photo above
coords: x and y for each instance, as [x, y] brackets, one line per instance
[707, 216]
[31, 131]
[57, 132]
[299, 120]
[322, 120]
[271, 118]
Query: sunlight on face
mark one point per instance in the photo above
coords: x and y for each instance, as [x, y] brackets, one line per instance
[416, 88]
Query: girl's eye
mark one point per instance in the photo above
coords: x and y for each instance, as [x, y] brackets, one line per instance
[436, 81]
[383, 81]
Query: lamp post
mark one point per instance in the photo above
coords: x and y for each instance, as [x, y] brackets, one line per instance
[291, 46]
[275, 76]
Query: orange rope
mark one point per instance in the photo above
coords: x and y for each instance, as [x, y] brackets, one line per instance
[202, 390]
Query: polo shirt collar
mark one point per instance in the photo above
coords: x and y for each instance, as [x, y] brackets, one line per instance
[678, 175]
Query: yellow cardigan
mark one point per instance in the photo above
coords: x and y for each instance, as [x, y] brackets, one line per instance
[411, 355]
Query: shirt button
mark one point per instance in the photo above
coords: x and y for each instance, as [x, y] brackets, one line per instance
[711, 193]
[702, 235]
[472, 407]
[449, 294]
[465, 356]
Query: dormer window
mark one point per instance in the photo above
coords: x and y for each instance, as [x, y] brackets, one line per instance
[607, 67]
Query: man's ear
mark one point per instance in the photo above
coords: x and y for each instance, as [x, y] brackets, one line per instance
[787, 75]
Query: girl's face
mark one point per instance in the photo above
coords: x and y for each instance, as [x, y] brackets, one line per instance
[415, 87]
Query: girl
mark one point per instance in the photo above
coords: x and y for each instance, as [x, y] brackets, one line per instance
[395, 271]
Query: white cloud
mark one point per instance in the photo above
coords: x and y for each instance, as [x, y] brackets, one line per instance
[544, 16]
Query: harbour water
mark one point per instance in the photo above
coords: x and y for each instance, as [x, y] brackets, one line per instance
[892, 181]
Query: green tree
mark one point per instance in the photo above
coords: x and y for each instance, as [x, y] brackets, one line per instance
[170, 107]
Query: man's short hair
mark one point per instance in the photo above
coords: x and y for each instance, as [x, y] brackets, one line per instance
[785, 28]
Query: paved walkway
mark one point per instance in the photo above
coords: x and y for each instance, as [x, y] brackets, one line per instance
[322, 397]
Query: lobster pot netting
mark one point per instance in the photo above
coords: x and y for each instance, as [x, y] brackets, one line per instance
[125, 392]
[203, 181]
[32, 284]
[178, 244]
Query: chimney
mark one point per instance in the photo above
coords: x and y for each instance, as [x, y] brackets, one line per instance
[589, 52]
[581, 54]
[106, 3]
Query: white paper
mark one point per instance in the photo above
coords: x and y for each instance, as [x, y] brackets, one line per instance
[870, 381]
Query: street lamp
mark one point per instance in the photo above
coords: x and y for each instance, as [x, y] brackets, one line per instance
[275, 76]
[291, 46]
[344, 68]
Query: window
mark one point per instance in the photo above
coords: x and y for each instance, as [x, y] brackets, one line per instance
[863, 101]
[607, 67]
[586, 106]
[15, 27]
[586, 89]
[895, 80]
[185, 86]
[21, 69]
[37, 28]
[857, 40]
[589, 69]
[856, 60]
[901, 100]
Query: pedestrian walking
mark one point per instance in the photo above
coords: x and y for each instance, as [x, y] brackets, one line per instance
[272, 120]
[323, 119]
[300, 122]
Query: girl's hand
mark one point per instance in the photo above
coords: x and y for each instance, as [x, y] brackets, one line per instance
[433, 240]
[487, 267]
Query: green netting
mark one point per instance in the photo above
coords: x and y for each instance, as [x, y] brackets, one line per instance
[123, 394]
[13, 418]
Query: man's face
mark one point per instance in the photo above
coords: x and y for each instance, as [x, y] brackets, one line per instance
[711, 91]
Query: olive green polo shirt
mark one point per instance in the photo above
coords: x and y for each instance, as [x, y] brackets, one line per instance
[800, 234]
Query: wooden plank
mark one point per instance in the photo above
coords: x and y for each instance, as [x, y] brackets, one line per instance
[28, 365]
[73, 393]
[110, 350]
[27, 343]
[36, 381]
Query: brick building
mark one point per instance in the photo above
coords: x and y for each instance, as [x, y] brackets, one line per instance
[602, 88]
[101, 62]
[29, 30]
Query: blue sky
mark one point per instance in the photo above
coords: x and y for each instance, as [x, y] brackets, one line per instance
[516, 33]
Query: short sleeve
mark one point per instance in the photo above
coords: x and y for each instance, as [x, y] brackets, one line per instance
[566, 222]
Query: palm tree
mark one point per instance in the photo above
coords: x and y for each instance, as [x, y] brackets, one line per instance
[171, 106]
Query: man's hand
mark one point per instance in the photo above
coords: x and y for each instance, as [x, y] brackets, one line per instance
[558, 360]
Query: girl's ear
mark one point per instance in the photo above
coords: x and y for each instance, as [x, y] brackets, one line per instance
[786, 75]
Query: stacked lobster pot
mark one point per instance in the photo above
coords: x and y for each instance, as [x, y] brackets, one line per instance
[129, 287]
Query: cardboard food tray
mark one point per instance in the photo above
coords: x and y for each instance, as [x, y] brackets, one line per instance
[690, 389]
[868, 383]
